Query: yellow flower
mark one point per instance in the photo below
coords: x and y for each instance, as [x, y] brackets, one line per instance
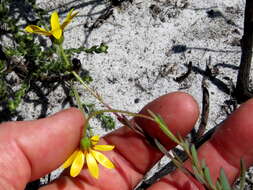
[56, 28]
[87, 153]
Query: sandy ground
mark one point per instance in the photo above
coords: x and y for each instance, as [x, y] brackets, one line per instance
[151, 42]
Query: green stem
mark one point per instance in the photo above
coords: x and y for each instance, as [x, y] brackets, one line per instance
[61, 54]
[87, 87]
[163, 127]
[80, 107]
[64, 56]
[96, 95]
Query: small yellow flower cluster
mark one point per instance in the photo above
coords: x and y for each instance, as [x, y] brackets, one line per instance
[87, 153]
[56, 28]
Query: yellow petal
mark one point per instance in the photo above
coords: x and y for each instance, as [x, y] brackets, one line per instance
[103, 147]
[37, 30]
[68, 18]
[57, 33]
[92, 165]
[77, 164]
[94, 140]
[102, 159]
[56, 30]
[70, 160]
[55, 23]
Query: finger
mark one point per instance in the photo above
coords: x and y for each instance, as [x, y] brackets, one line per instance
[31, 149]
[133, 156]
[231, 142]
[179, 111]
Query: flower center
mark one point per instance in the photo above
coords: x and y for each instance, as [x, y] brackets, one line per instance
[85, 143]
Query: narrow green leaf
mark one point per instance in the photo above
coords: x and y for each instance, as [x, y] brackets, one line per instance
[218, 185]
[161, 147]
[165, 152]
[224, 180]
[203, 166]
[177, 163]
[163, 126]
[180, 138]
[197, 175]
[208, 176]
[186, 146]
[194, 154]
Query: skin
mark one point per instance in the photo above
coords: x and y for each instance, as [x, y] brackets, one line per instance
[31, 149]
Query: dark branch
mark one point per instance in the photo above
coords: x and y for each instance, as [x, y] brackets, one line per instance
[242, 87]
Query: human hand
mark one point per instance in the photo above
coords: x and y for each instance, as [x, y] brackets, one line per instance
[31, 149]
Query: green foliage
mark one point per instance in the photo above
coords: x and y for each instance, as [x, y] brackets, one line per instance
[224, 180]
[12, 13]
[3, 89]
[200, 170]
[107, 121]
[102, 48]
[85, 76]
[2, 66]
[18, 95]
[32, 58]
[163, 126]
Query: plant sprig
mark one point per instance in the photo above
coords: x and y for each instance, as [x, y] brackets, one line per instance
[199, 170]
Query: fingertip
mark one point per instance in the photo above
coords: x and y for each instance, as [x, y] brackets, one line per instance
[179, 111]
[49, 141]
[74, 112]
[31, 149]
[234, 138]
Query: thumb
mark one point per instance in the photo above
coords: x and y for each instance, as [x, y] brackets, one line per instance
[31, 149]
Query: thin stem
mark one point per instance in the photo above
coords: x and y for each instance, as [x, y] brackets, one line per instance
[80, 107]
[87, 87]
[64, 56]
[163, 127]
[99, 98]
[61, 53]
